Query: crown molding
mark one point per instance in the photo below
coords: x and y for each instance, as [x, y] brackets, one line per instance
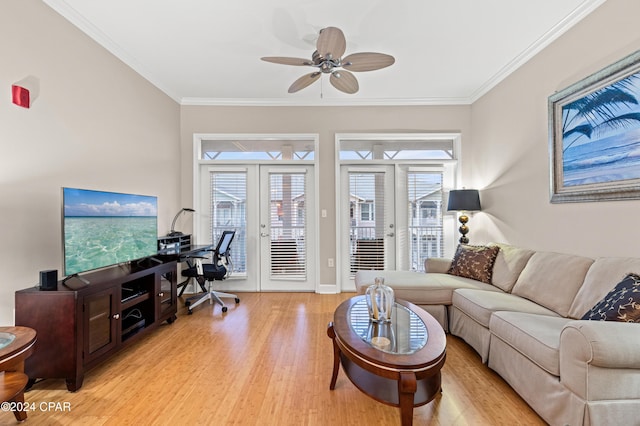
[72, 15]
[323, 102]
[69, 13]
[549, 37]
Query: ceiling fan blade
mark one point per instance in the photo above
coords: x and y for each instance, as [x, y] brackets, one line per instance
[331, 43]
[367, 61]
[304, 81]
[344, 81]
[286, 60]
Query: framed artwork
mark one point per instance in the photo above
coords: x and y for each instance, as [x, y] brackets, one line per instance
[594, 136]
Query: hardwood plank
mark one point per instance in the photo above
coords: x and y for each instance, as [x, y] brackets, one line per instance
[267, 360]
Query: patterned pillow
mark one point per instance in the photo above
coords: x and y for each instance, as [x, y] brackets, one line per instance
[474, 262]
[621, 304]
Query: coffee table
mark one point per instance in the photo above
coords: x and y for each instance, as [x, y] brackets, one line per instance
[16, 344]
[396, 363]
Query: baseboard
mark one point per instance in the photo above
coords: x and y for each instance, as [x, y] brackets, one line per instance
[327, 289]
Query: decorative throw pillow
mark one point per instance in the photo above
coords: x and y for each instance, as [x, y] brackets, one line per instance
[621, 304]
[474, 262]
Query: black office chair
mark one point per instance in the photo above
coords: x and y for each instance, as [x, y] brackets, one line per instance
[209, 272]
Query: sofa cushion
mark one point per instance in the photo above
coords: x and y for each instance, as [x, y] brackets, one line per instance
[509, 264]
[419, 288]
[437, 264]
[603, 275]
[536, 337]
[552, 280]
[621, 304]
[480, 304]
[475, 262]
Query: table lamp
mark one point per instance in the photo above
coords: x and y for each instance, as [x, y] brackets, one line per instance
[464, 200]
[173, 232]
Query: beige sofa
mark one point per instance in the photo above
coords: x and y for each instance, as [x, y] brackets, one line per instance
[525, 324]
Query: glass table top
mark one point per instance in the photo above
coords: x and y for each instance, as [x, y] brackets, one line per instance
[403, 335]
[6, 339]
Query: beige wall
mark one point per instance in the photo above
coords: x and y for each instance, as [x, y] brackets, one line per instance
[326, 122]
[96, 124]
[509, 154]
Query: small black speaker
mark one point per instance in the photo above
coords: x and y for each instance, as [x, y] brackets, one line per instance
[49, 280]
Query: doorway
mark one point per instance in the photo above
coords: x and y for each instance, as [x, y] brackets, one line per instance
[392, 190]
[271, 206]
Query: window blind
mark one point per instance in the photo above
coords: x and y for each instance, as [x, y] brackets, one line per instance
[425, 217]
[228, 212]
[367, 216]
[288, 217]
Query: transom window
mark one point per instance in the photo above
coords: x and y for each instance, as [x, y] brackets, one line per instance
[248, 148]
[392, 149]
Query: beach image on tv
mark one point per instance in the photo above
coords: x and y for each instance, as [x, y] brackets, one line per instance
[106, 228]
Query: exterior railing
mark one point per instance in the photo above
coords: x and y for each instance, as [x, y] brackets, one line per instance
[426, 241]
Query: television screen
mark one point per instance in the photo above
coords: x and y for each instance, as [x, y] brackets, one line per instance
[106, 228]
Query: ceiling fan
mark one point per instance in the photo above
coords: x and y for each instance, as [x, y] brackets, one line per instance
[327, 58]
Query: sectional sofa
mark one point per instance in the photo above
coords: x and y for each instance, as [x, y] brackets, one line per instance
[522, 312]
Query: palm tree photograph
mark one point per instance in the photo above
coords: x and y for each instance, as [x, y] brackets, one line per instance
[596, 134]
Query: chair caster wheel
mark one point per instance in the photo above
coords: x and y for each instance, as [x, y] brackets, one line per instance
[189, 312]
[224, 309]
[237, 300]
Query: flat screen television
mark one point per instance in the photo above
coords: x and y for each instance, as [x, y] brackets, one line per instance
[102, 228]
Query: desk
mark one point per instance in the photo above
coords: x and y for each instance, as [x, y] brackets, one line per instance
[184, 254]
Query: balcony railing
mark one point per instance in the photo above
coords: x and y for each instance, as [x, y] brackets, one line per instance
[426, 241]
[366, 247]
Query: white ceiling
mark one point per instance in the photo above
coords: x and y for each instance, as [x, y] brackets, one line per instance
[207, 52]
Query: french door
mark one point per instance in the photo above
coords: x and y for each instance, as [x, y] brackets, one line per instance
[287, 239]
[271, 208]
[368, 215]
[391, 217]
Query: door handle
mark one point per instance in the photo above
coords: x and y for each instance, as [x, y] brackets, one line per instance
[391, 234]
[264, 234]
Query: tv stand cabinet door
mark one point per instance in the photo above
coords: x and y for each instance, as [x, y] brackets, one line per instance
[56, 316]
[167, 293]
[101, 319]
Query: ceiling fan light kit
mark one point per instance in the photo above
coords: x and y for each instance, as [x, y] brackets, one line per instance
[327, 58]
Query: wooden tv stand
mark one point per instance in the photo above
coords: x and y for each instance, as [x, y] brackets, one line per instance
[80, 328]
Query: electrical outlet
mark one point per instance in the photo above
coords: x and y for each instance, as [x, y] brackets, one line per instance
[331, 263]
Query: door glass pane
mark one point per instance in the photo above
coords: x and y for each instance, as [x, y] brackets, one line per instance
[287, 225]
[228, 213]
[425, 217]
[367, 221]
[99, 322]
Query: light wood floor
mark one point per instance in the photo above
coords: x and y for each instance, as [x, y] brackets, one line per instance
[266, 361]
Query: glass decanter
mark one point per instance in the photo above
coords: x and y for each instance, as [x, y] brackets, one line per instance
[380, 300]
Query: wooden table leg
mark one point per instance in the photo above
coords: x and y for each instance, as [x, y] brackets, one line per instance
[336, 356]
[12, 385]
[407, 387]
[20, 415]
